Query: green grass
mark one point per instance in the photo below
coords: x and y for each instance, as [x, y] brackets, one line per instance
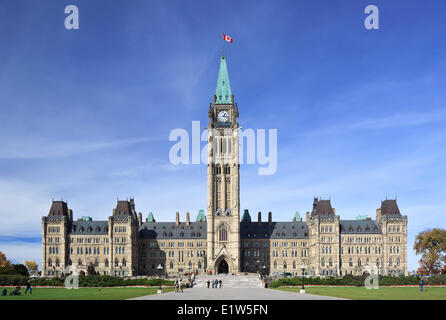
[383, 293]
[83, 293]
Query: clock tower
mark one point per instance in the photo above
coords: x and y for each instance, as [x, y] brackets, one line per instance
[223, 179]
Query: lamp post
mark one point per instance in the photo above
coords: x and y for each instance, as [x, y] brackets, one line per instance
[303, 278]
[160, 268]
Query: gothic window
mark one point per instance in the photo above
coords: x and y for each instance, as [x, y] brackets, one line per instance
[79, 262]
[96, 263]
[50, 263]
[330, 262]
[359, 262]
[124, 263]
[350, 262]
[106, 263]
[377, 262]
[323, 262]
[199, 264]
[294, 264]
[275, 264]
[116, 262]
[69, 262]
[284, 265]
[171, 265]
[398, 262]
[223, 234]
[57, 263]
[390, 262]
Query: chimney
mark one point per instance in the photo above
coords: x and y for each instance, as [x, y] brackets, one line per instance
[187, 219]
[177, 219]
[140, 218]
[270, 218]
[259, 220]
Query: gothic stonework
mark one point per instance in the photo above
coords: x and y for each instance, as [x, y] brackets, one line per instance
[220, 240]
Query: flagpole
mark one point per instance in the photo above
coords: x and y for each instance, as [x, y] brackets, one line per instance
[223, 48]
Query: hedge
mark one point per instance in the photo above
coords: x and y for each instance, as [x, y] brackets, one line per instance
[348, 280]
[84, 281]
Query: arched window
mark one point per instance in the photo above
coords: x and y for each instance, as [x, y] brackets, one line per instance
[116, 262]
[359, 262]
[323, 262]
[223, 234]
[390, 262]
[377, 262]
[398, 262]
[171, 265]
[106, 263]
[124, 263]
[284, 265]
[69, 262]
[50, 263]
[96, 263]
[350, 262]
[330, 262]
[57, 263]
[294, 264]
[199, 264]
[79, 262]
[275, 264]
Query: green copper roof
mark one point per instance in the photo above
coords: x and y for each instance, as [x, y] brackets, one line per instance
[85, 218]
[361, 217]
[201, 216]
[150, 217]
[297, 216]
[223, 91]
[246, 217]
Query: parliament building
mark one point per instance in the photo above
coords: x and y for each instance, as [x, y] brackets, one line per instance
[222, 240]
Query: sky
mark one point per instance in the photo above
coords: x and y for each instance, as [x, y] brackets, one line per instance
[86, 114]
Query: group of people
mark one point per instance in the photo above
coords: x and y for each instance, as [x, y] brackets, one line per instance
[16, 290]
[215, 284]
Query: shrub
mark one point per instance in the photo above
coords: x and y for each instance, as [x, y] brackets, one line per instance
[438, 279]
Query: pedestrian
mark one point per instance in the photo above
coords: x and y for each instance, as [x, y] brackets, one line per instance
[181, 285]
[216, 283]
[4, 292]
[421, 284]
[176, 286]
[209, 282]
[219, 283]
[28, 287]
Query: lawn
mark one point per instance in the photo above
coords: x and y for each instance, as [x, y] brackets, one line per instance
[83, 293]
[383, 293]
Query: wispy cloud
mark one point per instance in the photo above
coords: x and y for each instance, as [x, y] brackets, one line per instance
[37, 148]
[398, 120]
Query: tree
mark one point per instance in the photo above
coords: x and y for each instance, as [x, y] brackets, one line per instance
[431, 245]
[3, 261]
[31, 266]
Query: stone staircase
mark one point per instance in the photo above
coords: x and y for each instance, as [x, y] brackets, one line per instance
[229, 281]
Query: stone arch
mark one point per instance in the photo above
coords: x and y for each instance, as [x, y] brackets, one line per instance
[220, 261]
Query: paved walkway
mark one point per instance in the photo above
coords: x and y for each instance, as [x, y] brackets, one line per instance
[234, 294]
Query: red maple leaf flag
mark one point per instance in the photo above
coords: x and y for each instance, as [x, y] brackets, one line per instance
[227, 38]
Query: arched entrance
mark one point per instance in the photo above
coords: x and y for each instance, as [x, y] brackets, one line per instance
[223, 267]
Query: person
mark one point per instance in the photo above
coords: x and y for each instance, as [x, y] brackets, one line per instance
[15, 292]
[4, 292]
[216, 283]
[181, 287]
[209, 282]
[176, 286]
[219, 283]
[28, 287]
[421, 285]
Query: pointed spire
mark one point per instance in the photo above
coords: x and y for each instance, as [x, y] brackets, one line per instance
[246, 216]
[201, 216]
[223, 92]
[150, 217]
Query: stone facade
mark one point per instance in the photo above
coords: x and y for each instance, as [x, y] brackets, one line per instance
[221, 240]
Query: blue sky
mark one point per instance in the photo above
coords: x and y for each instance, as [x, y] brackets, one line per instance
[86, 114]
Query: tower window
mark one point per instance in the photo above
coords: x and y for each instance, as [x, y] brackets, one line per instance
[223, 234]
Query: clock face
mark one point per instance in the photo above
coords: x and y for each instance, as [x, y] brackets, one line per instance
[223, 116]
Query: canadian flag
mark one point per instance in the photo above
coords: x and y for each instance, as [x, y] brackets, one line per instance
[227, 38]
